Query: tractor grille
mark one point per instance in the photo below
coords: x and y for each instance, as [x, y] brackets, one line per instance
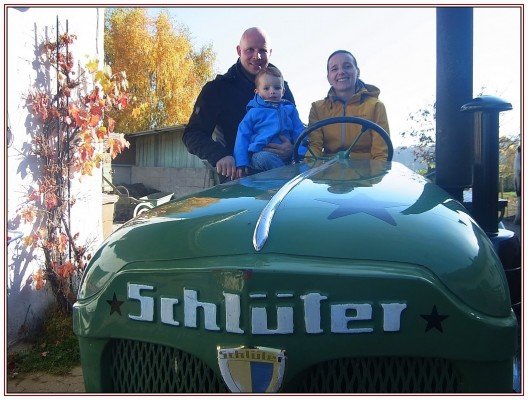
[381, 375]
[139, 367]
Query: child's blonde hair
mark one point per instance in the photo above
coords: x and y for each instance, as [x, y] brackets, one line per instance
[269, 70]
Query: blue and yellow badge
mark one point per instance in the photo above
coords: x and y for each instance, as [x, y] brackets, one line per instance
[252, 369]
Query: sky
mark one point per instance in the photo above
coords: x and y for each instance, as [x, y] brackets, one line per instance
[395, 48]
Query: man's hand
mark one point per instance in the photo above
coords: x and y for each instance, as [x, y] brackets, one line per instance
[283, 150]
[226, 167]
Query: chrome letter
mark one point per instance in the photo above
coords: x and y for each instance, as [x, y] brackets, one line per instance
[259, 321]
[392, 316]
[312, 312]
[167, 311]
[340, 319]
[232, 312]
[190, 306]
[146, 303]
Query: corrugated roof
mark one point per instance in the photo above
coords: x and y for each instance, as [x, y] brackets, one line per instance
[168, 129]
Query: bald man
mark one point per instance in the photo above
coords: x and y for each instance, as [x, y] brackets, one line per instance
[221, 105]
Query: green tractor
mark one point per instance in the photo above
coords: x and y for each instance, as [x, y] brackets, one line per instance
[327, 275]
[323, 276]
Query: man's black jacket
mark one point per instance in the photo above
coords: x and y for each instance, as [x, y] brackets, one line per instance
[221, 105]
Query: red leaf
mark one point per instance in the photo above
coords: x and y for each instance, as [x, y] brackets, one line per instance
[111, 124]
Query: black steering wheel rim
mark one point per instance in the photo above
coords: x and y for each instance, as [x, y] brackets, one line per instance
[365, 123]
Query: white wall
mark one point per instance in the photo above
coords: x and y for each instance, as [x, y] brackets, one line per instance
[26, 28]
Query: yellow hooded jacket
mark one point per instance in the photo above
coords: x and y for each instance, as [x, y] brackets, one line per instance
[330, 139]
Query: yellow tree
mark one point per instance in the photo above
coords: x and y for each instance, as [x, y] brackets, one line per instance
[165, 73]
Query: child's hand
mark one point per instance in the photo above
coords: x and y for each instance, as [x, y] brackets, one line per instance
[242, 171]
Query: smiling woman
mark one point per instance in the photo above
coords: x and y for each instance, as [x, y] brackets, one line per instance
[343, 73]
[348, 96]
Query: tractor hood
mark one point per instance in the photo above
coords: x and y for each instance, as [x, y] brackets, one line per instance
[366, 211]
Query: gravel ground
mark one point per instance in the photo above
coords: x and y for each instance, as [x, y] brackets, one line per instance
[46, 383]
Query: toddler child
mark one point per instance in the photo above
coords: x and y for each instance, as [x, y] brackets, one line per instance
[268, 116]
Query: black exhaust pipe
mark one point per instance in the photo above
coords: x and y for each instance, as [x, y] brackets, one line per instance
[485, 202]
[484, 206]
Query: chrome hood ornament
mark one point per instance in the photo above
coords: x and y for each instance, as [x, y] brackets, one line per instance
[260, 235]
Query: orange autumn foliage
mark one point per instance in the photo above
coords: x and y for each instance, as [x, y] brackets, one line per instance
[165, 73]
[71, 133]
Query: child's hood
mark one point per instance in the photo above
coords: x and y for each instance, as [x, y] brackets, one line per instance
[259, 102]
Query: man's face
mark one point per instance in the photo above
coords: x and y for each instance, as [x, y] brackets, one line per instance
[253, 52]
[342, 72]
[270, 88]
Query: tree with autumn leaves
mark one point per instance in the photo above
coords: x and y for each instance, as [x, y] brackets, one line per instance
[71, 132]
[75, 127]
[165, 73]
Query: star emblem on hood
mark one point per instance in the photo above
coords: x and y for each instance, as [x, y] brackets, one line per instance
[115, 305]
[362, 204]
[434, 320]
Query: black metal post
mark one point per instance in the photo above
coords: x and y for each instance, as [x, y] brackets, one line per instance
[454, 87]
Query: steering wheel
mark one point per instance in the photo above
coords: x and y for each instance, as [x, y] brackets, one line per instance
[365, 123]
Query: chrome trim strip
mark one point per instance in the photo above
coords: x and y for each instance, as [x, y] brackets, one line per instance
[257, 296]
[260, 235]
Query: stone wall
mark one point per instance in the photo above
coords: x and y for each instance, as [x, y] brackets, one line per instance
[121, 174]
[180, 181]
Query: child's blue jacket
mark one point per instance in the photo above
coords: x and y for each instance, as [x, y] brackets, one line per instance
[263, 123]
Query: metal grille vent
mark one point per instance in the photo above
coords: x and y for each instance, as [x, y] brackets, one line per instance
[139, 367]
[381, 375]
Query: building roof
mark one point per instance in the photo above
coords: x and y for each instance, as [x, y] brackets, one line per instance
[168, 129]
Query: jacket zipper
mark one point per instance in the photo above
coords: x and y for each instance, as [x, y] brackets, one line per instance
[343, 128]
[280, 118]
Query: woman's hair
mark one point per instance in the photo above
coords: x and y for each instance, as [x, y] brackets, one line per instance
[269, 70]
[341, 52]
